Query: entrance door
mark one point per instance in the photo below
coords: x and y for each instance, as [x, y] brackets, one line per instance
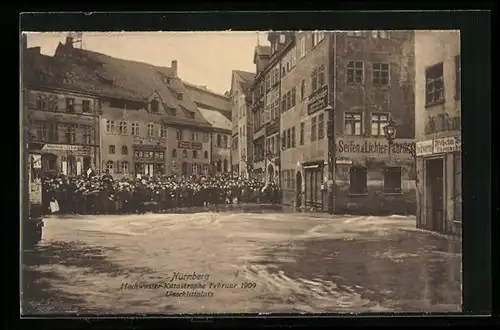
[149, 170]
[86, 163]
[435, 194]
[298, 189]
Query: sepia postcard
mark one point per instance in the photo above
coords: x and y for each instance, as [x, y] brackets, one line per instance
[241, 172]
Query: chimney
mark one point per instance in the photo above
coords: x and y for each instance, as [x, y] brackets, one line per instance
[174, 68]
[69, 41]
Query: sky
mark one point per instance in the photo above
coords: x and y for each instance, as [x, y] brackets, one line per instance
[203, 58]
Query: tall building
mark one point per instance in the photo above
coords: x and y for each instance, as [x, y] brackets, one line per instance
[62, 115]
[437, 130]
[216, 109]
[149, 125]
[241, 146]
[354, 82]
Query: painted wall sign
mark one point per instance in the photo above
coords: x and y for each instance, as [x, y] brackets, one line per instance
[375, 147]
[424, 147]
[189, 145]
[318, 100]
[447, 144]
[150, 140]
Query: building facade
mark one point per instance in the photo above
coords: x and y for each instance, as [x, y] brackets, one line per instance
[62, 121]
[148, 125]
[241, 146]
[438, 131]
[354, 83]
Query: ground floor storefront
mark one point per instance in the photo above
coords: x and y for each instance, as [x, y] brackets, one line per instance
[439, 168]
[71, 160]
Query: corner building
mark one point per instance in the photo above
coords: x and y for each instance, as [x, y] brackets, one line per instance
[438, 131]
[357, 81]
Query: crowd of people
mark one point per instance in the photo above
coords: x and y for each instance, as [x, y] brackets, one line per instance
[91, 194]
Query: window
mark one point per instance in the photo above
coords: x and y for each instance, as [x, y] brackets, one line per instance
[110, 165]
[179, 96]
[124, 150]
[160, 155]
[194, 168]
[317, 37]
[380, 34]
[184, 153]
[110, 126]
[392, 180]
[155, 106]
[194, 136]
[354, 33]
[70, 105]
[355, 72]
[87, 134]
[219, 141]
[458, 76]
[111, 149]
[205, 154]
[205, 137]
[434, 87]
[321, 126]
[352, 124]
[302, 89]
[151, 130]
[302, 49]
[205, 169]
[293, 137]
[179, 134]
[124, 167]
[225, 165]
[244, 131]
[224, 141]
[283, 140]
[174, 153]
[381, 74]
[195, 154]
[317, 78]
[294, 96]
[288, 138]
[86, 106]
[379, 121]
[54, 132]
[70, 134]
[135, 129]
[313, 128]
[122, 128]
[302, 133]
[357, 180]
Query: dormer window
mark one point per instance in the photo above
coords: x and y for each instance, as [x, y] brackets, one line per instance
[155, 106]
[190, 114]
[282, 38]
[179, 96]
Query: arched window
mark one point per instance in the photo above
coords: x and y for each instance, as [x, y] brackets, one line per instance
[124, 167]
[151, 130]
[135, 129]
[110, 165]
[122, 128]
[174, 153]
[225, 165]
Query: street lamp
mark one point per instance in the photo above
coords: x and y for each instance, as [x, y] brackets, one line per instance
[390, 135]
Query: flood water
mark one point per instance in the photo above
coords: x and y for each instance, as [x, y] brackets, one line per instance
[249, 262]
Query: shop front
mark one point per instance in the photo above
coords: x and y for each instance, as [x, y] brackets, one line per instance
[439, 167]
[314, 189]
[70, 160]
[149, 160]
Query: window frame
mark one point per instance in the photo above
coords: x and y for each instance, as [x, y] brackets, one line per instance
[352, 66]
[354, 121]
[431, 79]
[377, 74]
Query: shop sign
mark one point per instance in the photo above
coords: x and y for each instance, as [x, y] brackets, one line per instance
[375, 147]
[189, 145]
[66, 147]
[424, 148]
[318, 101]
[447, 144]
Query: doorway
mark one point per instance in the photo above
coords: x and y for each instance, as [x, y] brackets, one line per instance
[86, 163]
[298, 190]
[435, 194]
[270, 173]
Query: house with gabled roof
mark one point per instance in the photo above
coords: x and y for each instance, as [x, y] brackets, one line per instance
[149, 124]
[241, 147]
